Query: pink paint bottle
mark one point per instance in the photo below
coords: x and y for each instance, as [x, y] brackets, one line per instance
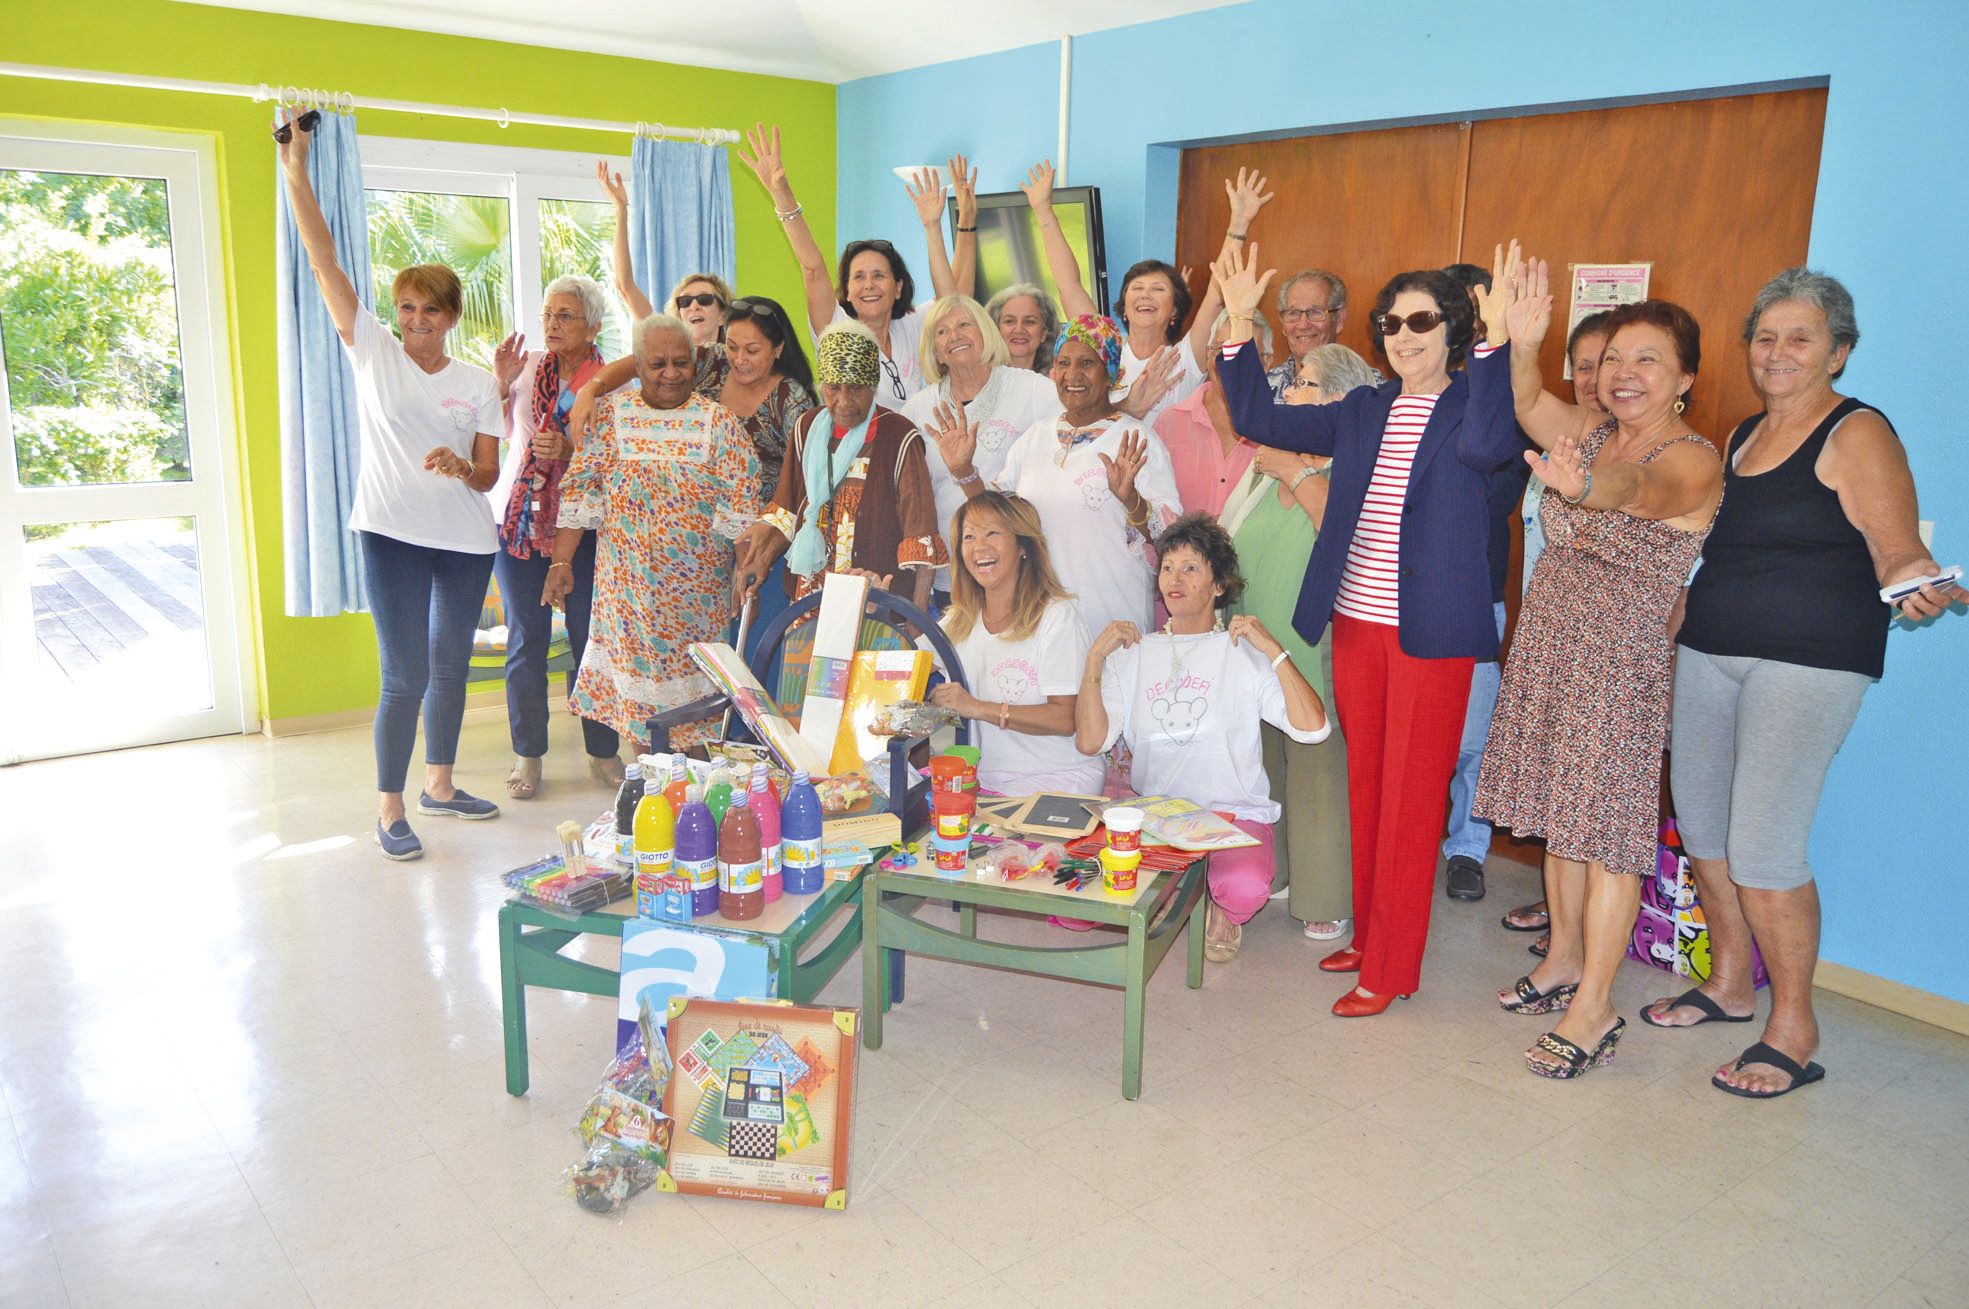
[765, 807]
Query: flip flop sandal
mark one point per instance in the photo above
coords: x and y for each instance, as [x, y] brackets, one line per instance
[1524, 911]
[1693, 998]
[518, 784]
[1533, 1001]
[1778, 1059]
[1541, 947]
[1577, 1061]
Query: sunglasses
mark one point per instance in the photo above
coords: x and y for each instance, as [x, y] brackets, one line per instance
[703, 299]
[306, 122]
[1426, 321]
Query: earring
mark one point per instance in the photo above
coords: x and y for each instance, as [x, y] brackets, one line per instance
[1680, 405]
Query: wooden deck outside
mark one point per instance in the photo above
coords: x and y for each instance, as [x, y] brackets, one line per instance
[93, 602]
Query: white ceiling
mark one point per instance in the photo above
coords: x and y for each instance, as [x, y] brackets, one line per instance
[823, 40]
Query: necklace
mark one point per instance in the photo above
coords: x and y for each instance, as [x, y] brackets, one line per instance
[1175, 652]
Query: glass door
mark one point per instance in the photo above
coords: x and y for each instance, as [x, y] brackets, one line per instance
[118, 619]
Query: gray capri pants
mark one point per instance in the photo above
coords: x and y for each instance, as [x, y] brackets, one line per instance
[1751, 742]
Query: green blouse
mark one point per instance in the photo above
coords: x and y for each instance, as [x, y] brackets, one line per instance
[1273, 544]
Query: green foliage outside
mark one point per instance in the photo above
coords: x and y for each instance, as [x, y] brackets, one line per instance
[577, 238]
[89, 322]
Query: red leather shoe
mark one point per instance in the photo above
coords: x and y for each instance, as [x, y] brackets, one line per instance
[1342, 961]
[1355, 1005]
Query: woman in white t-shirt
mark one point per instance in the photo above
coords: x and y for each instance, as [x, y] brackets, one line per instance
[1022, 646]
[430, 429]
[1155, 299]
[873, 285]
[968, 360]
[1190, 699]
[1102, 483]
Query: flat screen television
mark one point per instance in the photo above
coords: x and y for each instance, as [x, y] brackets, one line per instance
[1009, 249]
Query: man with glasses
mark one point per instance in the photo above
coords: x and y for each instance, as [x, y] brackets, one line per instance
[1312, 308]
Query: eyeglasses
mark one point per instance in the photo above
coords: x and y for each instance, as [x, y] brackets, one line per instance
[1318, 314]
[1426, 321]
[562, 319]
[307, 122]
[894, 375]
[703, 299]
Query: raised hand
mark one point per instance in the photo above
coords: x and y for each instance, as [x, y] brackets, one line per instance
[926, 192]
[957, 441]
[292, 154]
[612, 183]
[1148, 387]
[1506, 285]
[507, 361]
[1563, 468]
[765, 160]
[964, 181]
[1248, 195]
[1038, 185]
[1530, 316]
[1126, 463]
[1237, 277]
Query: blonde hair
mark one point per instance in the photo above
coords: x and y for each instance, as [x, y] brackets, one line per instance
[436, 283]
[718, 284]
[1035, 585]
[995, 352]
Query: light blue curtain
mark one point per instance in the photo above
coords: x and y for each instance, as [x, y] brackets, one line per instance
[680, 216]
[319, 446]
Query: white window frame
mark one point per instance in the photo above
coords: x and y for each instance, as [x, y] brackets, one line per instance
[523, 176]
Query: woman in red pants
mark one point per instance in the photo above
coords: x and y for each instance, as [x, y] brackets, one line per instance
[1399, 570]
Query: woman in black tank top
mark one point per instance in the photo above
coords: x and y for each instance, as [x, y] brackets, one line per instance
[1783, 630]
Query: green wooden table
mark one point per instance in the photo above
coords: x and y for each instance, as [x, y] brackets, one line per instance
[531, 940]
[890, 925]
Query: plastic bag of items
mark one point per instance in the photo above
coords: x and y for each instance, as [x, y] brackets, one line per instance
[624, 1128]
[911, 718]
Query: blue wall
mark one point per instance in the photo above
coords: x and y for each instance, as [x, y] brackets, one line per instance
[1888, 218]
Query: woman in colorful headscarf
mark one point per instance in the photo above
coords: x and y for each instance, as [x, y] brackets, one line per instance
[854, 493]
[538, 389]
[1101, 481]
[666, 480]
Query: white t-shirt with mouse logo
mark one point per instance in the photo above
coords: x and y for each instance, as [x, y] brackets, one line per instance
[1190, 707]
[1047, 663]
[404, 413]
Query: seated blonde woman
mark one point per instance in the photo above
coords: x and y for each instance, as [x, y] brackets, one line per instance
[1022, 646]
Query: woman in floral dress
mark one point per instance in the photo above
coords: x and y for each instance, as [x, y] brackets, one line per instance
[668, 480]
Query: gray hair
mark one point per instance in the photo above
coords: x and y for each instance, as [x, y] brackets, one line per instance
[1340, 369]
[1336, 290]
[660, 323]
[594, 302]
[1260, 329]
[1823, 292]
[1049, 317]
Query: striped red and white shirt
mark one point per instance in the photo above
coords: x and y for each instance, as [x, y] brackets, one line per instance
[1370, 587]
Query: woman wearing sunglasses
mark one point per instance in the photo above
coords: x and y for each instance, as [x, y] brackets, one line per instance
[1400, 572]
[701, 300]
[429, 428]
[872, 285]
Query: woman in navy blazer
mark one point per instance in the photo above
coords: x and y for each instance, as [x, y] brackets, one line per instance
[1400, 571]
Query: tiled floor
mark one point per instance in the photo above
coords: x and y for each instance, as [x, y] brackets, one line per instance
[248, 1062]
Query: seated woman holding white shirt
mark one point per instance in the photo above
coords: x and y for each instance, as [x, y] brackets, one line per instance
[1190, 699]
[1022, 647]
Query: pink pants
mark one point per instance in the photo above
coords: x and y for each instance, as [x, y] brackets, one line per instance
[1241, 879]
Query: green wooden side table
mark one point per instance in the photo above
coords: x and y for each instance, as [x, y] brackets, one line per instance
[531, 940]
[889, 925]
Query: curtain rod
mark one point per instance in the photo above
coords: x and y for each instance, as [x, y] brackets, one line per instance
[344, 100]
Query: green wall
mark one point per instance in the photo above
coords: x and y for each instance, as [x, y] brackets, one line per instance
[326, 665]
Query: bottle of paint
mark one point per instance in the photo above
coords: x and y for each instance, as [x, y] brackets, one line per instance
[625, 814]
[718, 794]
[680, 779]
[800, 837]
[697, 852]
[765, 807]
[741, 870]
[656, 843]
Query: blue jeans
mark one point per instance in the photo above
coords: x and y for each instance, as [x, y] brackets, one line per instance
[426, 606]
[529, 629]
[1470, 835]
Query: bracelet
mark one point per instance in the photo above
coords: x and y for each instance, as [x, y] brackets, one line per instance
[1237, 236]
[560, 564]
[972, 228]
[1143, 521]
[1584, 491]
[972, 480]
[790, 214]
[1004, 714]
[1238, 318]
[1300, 476]
[1280, 657]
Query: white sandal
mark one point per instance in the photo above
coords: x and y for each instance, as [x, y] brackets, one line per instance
[1329, 930]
